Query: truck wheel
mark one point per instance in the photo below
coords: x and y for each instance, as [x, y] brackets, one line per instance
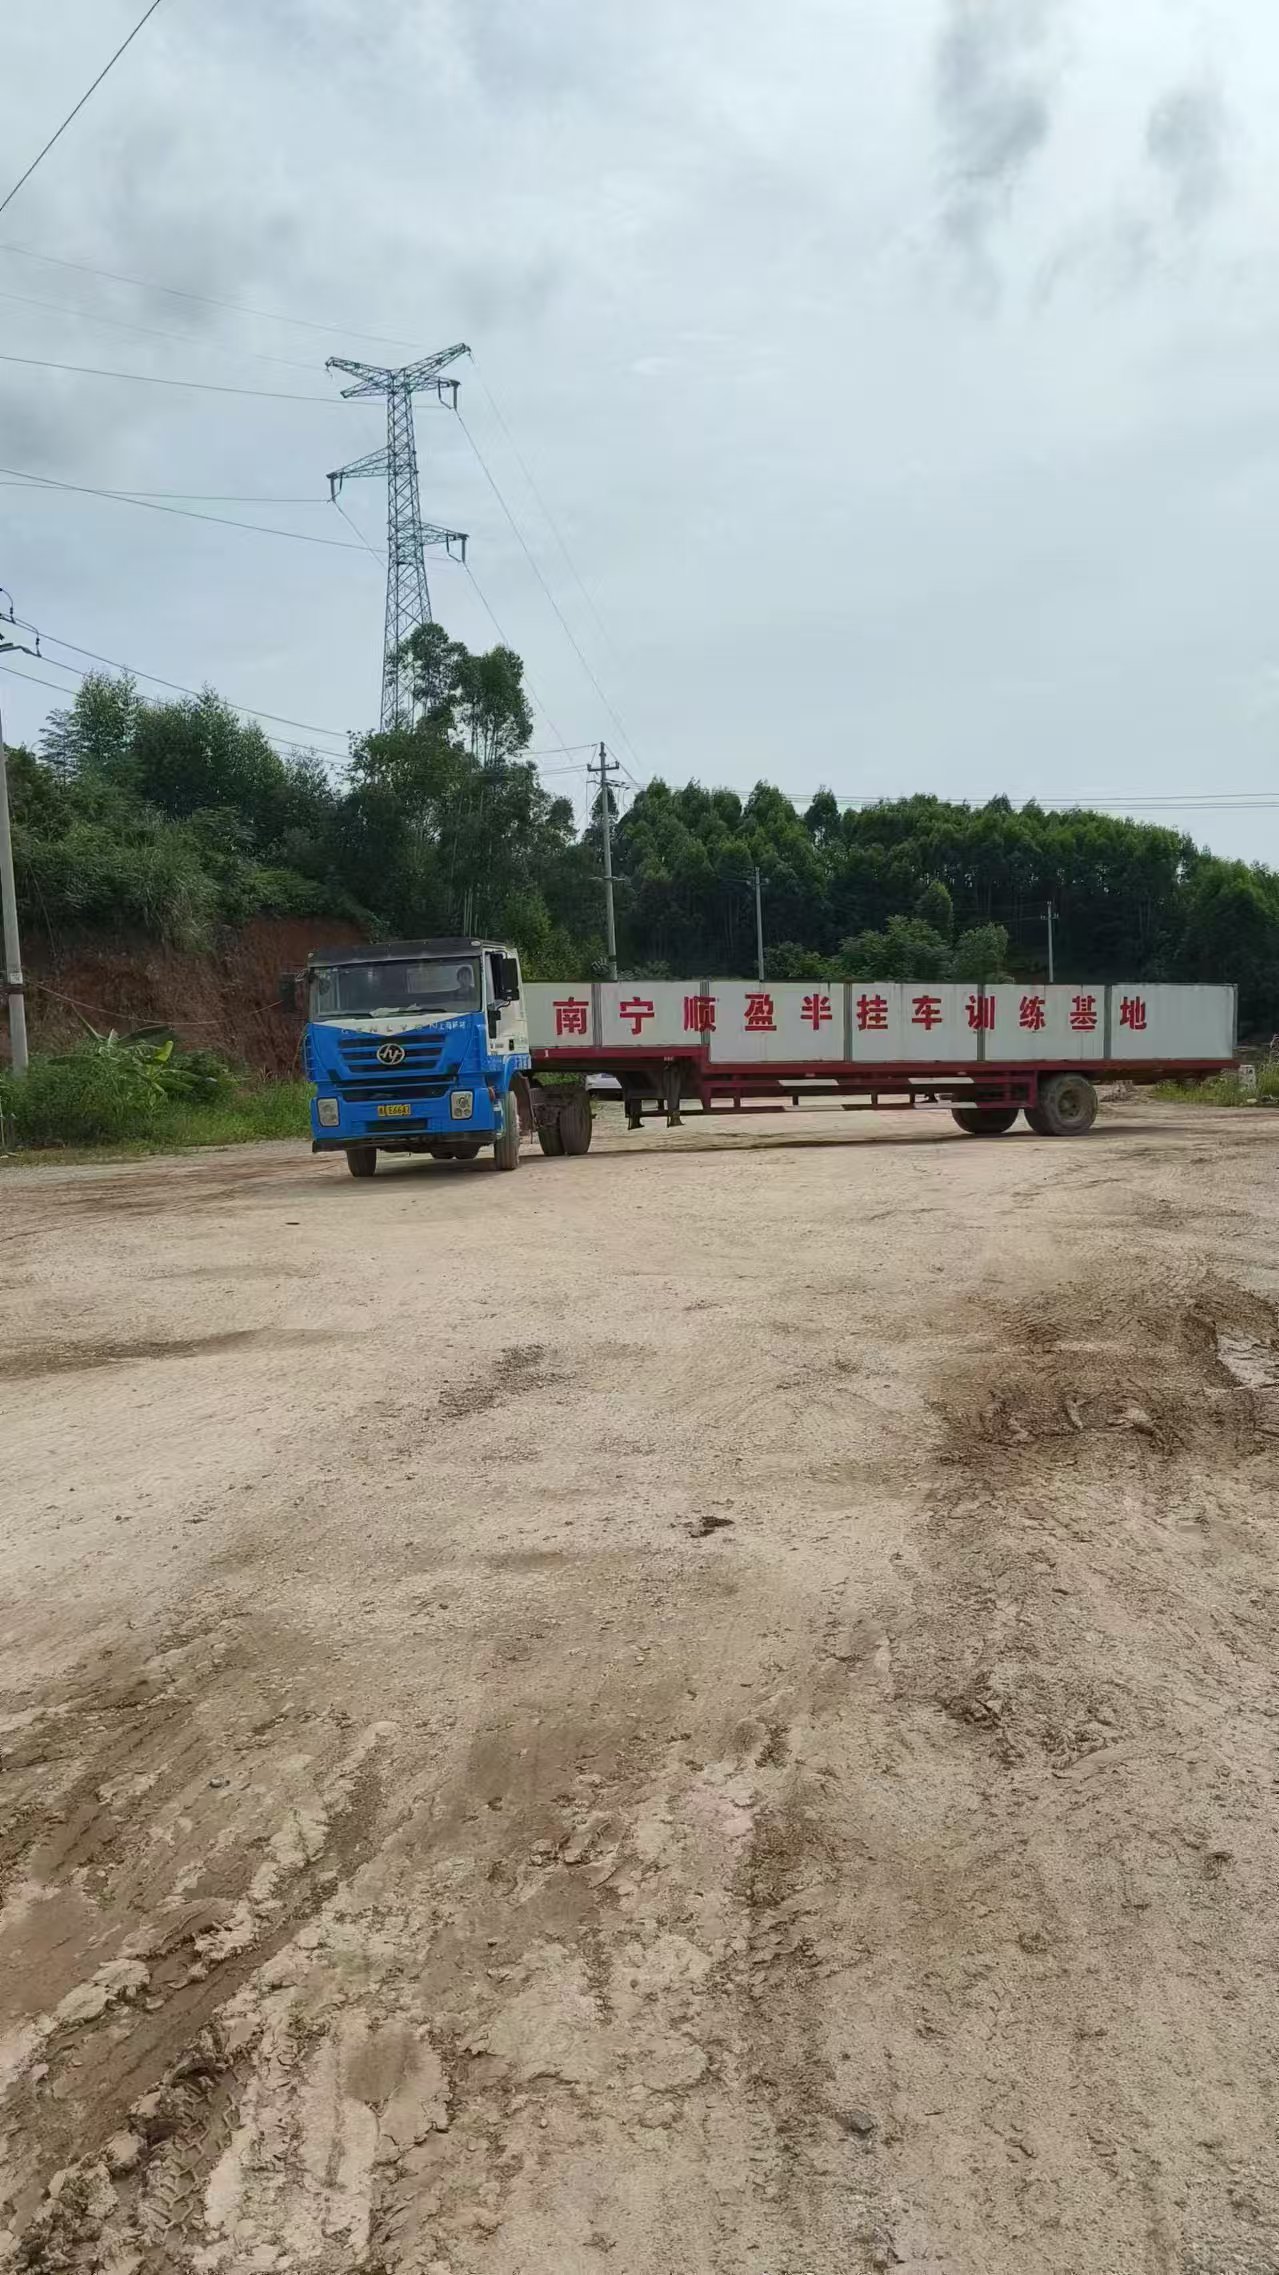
[549, 1138]
[506, 1149]
[576, 1124]
[1068, 1104]
[361, 1160]
[984, 1121]
[1038, 1121]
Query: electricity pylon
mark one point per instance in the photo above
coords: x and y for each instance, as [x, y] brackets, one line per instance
[408, 599]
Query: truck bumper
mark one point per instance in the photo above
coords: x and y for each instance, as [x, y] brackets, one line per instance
[427, 1122]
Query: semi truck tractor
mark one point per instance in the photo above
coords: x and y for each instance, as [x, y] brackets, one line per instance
[441, 1047]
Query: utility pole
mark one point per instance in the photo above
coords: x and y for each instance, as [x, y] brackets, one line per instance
[1051, 965]
[608, 766]
[408, 599]
[9, 642]
[759, 927]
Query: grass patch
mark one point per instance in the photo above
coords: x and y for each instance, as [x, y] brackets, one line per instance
[121, 1099]
[1224, 1090]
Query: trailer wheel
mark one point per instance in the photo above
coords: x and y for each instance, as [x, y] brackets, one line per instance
[549, 1137]
[361, 1160]
[576, 1124]
[1068, 1104]
[1038, 1121]
[506, 1148]
[984, 1121]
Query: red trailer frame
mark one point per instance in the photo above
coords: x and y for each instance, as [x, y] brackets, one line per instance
[658, 1085]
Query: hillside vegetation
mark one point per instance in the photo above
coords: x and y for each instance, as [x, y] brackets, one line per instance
[172, 821]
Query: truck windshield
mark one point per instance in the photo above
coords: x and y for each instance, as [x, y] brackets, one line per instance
[444, 986]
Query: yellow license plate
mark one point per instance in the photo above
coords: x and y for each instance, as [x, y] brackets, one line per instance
[393, 1113]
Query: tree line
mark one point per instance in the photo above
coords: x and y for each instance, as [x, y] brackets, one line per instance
[171, 820]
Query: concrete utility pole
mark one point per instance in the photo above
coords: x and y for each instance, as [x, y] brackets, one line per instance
[608, 766]
[759, 926]
[10, 643]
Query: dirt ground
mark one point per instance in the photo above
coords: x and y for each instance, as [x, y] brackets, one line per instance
[707, 1710]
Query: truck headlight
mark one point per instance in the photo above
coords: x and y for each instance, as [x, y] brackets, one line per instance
[328, 1113]
[462, 1105]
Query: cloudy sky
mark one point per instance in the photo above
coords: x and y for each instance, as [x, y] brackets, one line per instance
[901, 375]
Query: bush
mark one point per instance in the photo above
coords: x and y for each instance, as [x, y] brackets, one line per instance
[1225, 1089]
[93, 1096]
[199, 1077]
[144, 1093]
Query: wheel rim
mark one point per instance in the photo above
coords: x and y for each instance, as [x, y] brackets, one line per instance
[1072, 1102]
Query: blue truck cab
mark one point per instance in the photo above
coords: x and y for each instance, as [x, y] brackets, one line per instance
[415, 1046]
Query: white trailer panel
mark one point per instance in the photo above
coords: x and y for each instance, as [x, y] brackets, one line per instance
[561, 1014]
[1054, 1026]
[782, 1023]
[643, 1013]
[1170, 1022]
[904, 1021]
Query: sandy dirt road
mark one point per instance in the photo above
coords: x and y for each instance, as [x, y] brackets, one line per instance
[709, 1710]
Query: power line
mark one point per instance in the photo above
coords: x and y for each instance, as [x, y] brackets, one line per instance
[278, 718]
[514, 651]
[8, 199]
[153, 379]
[202, 299]
[277, 743]
[552, 524]
[1240, 801]
[564, 623]
[369, 548]
[184, 513]
[192, 497]
[152, 331]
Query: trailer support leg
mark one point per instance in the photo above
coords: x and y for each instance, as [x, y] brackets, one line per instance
[672, 1087]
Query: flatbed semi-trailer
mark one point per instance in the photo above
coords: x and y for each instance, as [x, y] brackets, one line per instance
[440, 1047]
[988, 1051]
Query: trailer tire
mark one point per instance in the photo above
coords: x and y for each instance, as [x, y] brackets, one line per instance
[1068, 1104]
[576, 1124]
[984, 1121]
[361, 1160]
[549, 1138]
[1038, 1121]
[506, 1147]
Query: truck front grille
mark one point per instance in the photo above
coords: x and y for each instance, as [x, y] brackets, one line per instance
[422, 1055]
[391, 1083]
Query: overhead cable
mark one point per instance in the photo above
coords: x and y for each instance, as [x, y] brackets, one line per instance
[183, 513]
[58, 133]
[569, 633]
[154, 379]
[202, 299]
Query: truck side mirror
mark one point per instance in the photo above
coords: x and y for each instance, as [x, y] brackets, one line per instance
[510, 979]
[287, 994]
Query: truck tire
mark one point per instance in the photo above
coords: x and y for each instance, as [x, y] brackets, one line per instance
[1067, 1104]
[549, 1138]
[506, 1147]
[361, 1160]
[576, 1124]
[984, 1121]
[1038, 1121]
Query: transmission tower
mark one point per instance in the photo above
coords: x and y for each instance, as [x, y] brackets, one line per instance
[408, 599]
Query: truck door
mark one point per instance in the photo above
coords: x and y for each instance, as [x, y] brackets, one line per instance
[507, 1018]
